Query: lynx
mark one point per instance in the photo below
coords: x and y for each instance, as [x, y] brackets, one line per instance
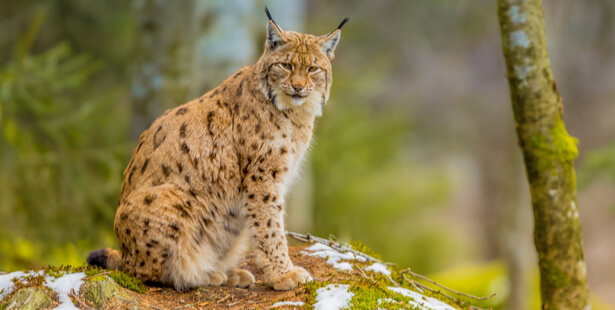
[212, 173]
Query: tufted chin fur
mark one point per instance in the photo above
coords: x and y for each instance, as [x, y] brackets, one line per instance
[311, 104]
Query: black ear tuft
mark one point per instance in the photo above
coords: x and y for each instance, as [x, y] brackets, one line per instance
[338, 27]
[268, 14]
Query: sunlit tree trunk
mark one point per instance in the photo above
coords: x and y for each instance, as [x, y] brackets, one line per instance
[548, 153]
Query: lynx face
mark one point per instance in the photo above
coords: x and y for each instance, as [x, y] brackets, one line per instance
[298, 68]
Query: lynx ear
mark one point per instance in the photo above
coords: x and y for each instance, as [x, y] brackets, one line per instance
[329, 41]
[275, 34]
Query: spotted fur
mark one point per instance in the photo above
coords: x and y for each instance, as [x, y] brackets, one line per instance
[214, 172]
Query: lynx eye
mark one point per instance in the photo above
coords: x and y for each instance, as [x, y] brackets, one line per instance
[313, 69]
[286, 66]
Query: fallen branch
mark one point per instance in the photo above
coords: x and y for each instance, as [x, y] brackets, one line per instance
[334, 244]
[392, 281]
[422, 287]
[416, 275]
[80, 303]
[426, 288]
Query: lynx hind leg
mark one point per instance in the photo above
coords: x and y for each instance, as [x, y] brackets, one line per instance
[191, 266]
[237, 277]
[159, 236]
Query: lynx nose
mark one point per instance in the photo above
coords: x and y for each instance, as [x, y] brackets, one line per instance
[297, 87]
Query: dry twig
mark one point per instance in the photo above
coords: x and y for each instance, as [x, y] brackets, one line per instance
[392, 281]
[98, 274]
[365, 275]
[80, 303]
[422, 287]
[232, 304]
[416, 275]
[334, 244]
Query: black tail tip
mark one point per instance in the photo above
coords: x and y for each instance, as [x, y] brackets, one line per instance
[98, 258]
[343, 22]
[268, 14]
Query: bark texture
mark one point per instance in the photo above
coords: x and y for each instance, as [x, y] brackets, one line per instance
[163, 60]
[548, 153]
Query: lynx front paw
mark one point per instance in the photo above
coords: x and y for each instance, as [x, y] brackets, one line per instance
[240, 278]
[294, 277]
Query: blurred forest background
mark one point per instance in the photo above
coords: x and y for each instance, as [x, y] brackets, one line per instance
[416, 154]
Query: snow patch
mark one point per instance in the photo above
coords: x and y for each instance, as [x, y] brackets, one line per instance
[287, 303]
[423, 302]
[333, 257]
[378, 267]
[63, 285]
[6, 282]
[333, 297]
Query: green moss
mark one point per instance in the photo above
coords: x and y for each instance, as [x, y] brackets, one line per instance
[552, 274]
[558, 147]
[92, 271]
[123, 279]
[565, 145]
[310, 289]
[361, 247]
[368, 295]
[128, 282]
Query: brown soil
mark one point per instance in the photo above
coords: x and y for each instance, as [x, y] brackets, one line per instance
[258, 297]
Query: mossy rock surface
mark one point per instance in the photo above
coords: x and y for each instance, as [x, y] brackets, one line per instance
[369, 289]
[101, 289]
[29, 298]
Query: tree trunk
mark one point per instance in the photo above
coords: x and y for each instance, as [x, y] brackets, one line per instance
[162, 72]
[548, 153]
[225, 40]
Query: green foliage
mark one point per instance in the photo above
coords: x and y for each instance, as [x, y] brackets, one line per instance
[368, 188]
[487, 278]
[479, 280]
[598, 164]
[62, 152]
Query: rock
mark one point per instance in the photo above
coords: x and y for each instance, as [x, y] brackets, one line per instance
[100, 290]
[30, 298]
